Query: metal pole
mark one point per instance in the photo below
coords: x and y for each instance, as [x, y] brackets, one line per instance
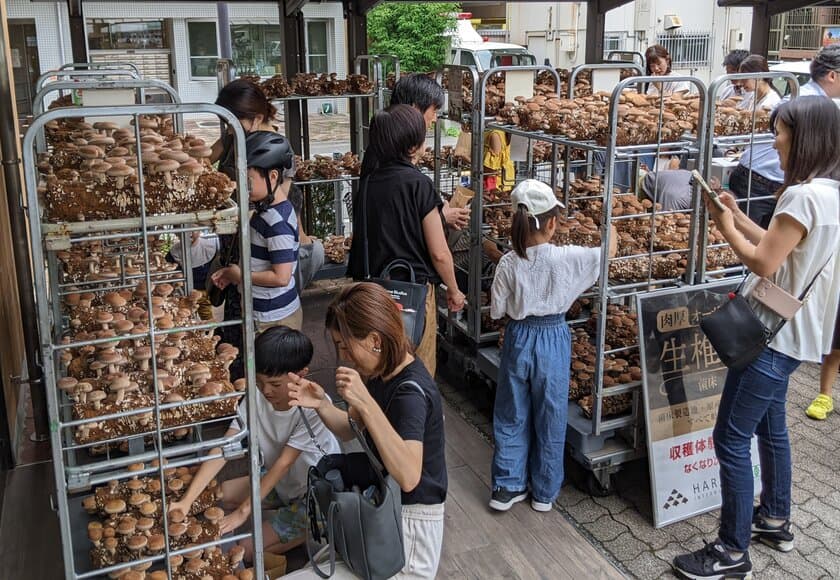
[14, 189]
[224, 67]
[223, 18]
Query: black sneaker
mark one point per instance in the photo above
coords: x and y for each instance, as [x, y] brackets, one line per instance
[713, 563]
[777, 537]
[502, 500]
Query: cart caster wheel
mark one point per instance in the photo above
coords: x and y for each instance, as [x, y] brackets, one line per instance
[595, 488]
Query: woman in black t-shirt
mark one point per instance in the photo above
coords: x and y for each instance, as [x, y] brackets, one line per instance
[255, 113]
[398, 211]
[398, 404]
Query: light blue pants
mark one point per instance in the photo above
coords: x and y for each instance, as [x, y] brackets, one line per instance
[531, 409]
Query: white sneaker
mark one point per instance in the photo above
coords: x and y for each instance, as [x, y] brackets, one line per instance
[539, 506]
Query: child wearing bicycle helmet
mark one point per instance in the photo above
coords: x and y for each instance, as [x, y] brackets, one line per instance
[274, 234]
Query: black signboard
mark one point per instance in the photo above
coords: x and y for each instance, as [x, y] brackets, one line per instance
[683, 382]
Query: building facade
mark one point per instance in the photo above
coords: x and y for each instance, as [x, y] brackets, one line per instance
[176, 42]
[697, 34]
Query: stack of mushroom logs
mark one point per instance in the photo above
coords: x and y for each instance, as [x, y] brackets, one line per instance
[312, 85]
[127, 525]
[325, 167]
[92, 174]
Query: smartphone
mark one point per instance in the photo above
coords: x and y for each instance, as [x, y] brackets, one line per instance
[695, 175]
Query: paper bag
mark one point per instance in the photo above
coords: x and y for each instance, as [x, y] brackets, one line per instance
[462, 197]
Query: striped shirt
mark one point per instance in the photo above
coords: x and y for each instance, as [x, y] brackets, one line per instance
[274, 240]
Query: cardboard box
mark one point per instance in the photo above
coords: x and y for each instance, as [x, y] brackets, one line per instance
[721, 168]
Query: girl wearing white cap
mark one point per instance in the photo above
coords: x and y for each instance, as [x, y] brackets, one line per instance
[535, 285]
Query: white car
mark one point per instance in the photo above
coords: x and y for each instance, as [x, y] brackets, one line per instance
[801, 69]
[486, 55]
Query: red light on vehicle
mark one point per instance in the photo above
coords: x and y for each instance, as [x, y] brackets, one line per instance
[464, 15]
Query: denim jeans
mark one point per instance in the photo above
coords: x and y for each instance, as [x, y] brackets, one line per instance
[753, 402]
[531, 409]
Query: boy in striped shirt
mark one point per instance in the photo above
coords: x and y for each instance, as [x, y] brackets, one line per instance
[274, 234]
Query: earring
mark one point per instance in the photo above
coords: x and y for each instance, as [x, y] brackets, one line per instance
[376, 349]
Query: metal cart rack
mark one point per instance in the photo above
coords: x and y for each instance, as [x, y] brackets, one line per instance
[600, 444]
[723, 143]
[373, 102]
[166, 434]
[475, 117]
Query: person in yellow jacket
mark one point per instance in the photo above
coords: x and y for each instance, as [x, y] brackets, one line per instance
[497, 162]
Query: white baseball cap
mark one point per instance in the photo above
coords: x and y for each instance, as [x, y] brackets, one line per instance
[536, 196]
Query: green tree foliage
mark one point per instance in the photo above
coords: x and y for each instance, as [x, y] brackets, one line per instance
[415, 32]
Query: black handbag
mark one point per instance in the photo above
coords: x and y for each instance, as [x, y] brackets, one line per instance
[357, 510]
[409, 296]
[736, 332]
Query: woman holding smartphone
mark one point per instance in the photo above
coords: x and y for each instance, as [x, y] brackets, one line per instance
[799, 246]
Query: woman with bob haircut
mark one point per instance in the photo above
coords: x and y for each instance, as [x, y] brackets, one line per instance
[658, 64]
[799, 246]
[391, 394]
[402, 216]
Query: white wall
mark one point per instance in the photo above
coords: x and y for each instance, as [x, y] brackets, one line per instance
[556, 30]
[54, 47]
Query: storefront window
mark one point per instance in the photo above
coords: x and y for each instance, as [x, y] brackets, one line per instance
[317, 55]
[204, 48]
[256, 49]
[122, 35]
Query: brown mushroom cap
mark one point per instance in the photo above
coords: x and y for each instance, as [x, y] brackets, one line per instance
[149, 508]
[170, 352]
[104, 317]
[134, 485]
[101, 141]
[91, 152]
[179, 156]
[236, 554]
[127, 526]
[175, 484]
[67, 383]
[211, 389]
[142, 353]
[177, 516]
[96, 396]
[115, 160]
[109, 357]
[138, 499]
[190, 170]
[166, 165]
[145, 524]
[136, 467]
[106, 126]
[200, 151]
[123, 326]
[120, 171]
[156, 543]
[178, 529]
[194, 531]
[137, 543]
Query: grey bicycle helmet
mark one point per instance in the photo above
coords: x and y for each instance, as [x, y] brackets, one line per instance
[266, 150]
